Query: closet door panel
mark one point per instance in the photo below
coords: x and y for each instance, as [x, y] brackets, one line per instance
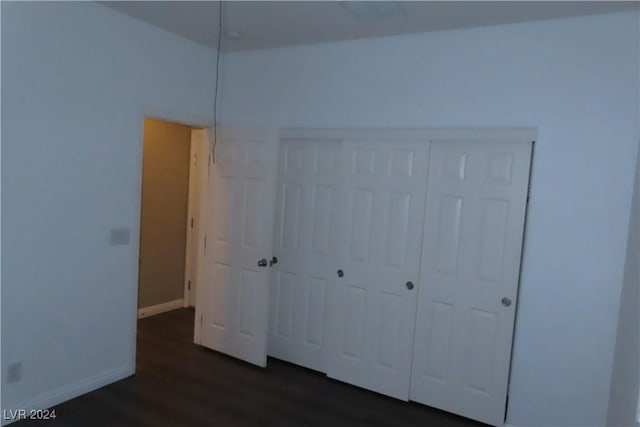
[305, 246]
[473, 233]
[371, 331]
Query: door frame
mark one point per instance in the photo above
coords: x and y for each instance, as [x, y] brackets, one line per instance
[198, 155]
[181, 117]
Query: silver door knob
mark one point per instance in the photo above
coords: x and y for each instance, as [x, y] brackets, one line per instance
[262, 262]
[409, 285]
[506, 302]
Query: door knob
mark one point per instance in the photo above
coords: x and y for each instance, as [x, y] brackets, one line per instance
[274, 260]
[409, 285]
[340, 273]
[262, 262]
[506, 302]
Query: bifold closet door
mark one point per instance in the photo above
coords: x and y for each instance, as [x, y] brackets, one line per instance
[474, 224]
[306, 230]
[373, 297]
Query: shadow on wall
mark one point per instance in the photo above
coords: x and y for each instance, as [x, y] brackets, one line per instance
[624, 399]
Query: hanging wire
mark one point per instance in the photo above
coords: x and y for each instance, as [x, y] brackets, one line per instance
[215, 93]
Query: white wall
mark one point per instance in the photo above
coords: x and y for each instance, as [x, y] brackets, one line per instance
[76, 80]
[576, 80]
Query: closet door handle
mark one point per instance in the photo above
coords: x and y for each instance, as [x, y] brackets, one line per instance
[262, 262]
[340, 273]
[274, 260]
[409, 285]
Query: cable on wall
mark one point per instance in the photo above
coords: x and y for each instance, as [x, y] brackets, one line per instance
[215, 93]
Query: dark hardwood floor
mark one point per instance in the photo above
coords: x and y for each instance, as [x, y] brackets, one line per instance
[178, 383]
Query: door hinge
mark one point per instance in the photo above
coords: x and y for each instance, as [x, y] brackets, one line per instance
[201, 320]
[191, 222]
[195, 159]
[189, 285]
[205, 241]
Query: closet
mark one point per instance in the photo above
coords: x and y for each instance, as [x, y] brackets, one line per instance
[393, 258]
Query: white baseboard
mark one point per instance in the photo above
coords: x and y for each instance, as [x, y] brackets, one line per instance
[62, 394]
[160, 308]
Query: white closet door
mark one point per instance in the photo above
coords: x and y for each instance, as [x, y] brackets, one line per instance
[235, 302]
[373, 310]
[305, 243]
[474, 225]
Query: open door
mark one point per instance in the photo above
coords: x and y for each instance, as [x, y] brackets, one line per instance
[233, 301]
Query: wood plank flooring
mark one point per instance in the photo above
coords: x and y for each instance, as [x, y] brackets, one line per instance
[178, 383]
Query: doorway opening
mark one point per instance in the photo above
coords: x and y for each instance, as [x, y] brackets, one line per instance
[174, 170]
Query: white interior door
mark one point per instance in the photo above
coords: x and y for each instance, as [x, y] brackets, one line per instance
[305, 245]
[234, 307]
[372, 323]
[473, 233]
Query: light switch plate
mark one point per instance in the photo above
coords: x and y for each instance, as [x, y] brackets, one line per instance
[120, 236]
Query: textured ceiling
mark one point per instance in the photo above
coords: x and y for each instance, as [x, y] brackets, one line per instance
[264, 24]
